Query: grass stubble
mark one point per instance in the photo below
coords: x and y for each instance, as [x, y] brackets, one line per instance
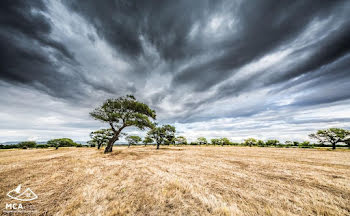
[180, 181]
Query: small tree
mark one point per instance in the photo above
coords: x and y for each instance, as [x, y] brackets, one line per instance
[133, 140]
[225, 141]
[216, 141]
[147, 140]
[260, 143]
[181, 140]
[62, 142]
[27, 144]
[162, 134]
[332, 136]
[250, 142]
[121, 113]
[272, 142]
[202, 141]
[101, 137]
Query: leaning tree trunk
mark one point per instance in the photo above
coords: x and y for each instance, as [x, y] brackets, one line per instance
[99, 145]
[110, 144]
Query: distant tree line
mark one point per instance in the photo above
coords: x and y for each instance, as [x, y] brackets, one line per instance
[56, 143]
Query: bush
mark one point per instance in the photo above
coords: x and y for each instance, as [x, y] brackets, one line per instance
[27, 144]
[79, 145]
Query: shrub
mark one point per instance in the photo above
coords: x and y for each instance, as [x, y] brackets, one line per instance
[27, 144]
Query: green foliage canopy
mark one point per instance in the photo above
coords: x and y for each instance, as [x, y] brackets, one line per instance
[162, 134]
[147, 140]
[121, 113]
[133, 140]
[27, 144]
[62, 142]
[202, 140]
[332, 136]
[101, 137]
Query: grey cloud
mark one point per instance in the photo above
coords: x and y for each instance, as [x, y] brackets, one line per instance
[25, 58]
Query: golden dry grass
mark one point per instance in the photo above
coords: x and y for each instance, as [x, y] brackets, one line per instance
[180, 181]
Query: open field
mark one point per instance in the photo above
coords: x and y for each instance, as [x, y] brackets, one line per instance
[180, 181]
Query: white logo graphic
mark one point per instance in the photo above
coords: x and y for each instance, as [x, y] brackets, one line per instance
[26, 195]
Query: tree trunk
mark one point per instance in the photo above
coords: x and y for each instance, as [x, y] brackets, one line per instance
[110, 144]
[56, 147]
[99, 145]
[129, 145]
[333, 146]
[157, 145]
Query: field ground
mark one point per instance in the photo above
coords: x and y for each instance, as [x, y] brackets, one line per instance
[180, 181]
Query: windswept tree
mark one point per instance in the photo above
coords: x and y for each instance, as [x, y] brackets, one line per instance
[101, 137]
[162, 134]
[147, 140]
[202, 141]
[332, 136]
[181, 140]
[121, 113]
[250, 142]
[133, 140]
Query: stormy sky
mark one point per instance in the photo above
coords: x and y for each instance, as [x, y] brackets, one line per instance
[263, 69]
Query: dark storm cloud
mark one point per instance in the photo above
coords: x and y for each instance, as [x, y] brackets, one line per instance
[263, 27]
[24, 44]
[165, 24]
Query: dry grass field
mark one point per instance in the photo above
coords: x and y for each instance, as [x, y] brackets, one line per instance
[180, 181]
